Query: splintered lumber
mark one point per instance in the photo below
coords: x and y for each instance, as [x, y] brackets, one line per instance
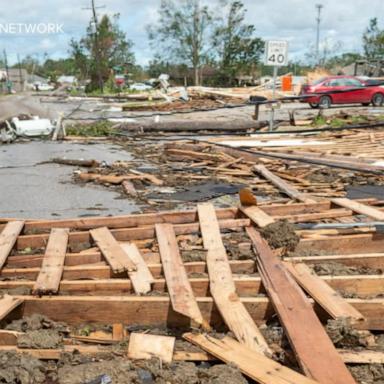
[144, 346]
[48, 280]
[115, 255]
[118, 332]
[180, 153]
[108, 179]
[284, 186]
[129, 188]
[8, 239]
[322, 293]
[141, 278]
[157, 310]
[179, 287]
[76, 162]
[363, 209]
[222, 286]
[312, 346]
[8, 342]
[257, 215]
[362, 357]
[252, 364]
[8, 304]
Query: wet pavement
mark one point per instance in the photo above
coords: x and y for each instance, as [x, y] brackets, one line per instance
[32, 190]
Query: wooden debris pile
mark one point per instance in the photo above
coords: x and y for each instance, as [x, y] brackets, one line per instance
[208, 271]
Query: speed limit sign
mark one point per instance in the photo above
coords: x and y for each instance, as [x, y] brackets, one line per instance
[276, 53]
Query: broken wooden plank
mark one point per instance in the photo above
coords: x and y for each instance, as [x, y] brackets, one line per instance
[179, 287]
[48, 280]
[257, 215]
[312, 346]
[98, 282]
[118, 332]
[222, 286]
[157, 310]
[125, 234]
[252, 364]
[115, 255]
[144, 346]
[284, 186]
[8, 239]
[142, 278]
[8, 304]
[363, 209]
[322, 293]
[362, 357]
[129, 188]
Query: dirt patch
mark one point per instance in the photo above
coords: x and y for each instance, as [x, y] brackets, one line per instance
[36, 322]
[281, 234]
[324, 175]
[222, 374]
[191, 255]
[21, 368]
[343, 335]
[44, 338]
[152, 371]
[119, 370]
[368, 373]
[341, 269]
[18, 291]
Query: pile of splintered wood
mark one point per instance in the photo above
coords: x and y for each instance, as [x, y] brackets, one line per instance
[354, 149]
[133, 270]
[235, 166]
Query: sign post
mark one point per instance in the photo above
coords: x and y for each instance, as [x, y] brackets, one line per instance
[276, 55]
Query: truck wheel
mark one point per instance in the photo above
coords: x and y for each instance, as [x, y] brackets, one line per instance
[314, 105]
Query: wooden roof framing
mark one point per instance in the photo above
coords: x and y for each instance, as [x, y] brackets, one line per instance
[92, 290]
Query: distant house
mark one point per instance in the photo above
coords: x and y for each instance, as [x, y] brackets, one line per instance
[67, 80]
[36, 79]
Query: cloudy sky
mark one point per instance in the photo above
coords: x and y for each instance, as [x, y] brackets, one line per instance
[343, 21]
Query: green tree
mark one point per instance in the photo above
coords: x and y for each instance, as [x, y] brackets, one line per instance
[182, 33]
[373, 40]
[237, 47]
[101, 50]
[52, 69]
[30, 64]
[343, 60]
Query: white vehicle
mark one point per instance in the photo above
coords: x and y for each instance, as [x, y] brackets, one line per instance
[140, 87]
[44, 87]
[33, 127]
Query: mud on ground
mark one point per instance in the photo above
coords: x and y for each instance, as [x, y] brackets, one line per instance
[280, 234]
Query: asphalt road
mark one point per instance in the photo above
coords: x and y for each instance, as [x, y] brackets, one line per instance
[73, 109]
[30, 189]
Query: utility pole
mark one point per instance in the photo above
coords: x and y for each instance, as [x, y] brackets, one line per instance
[20, 74]
[318, 19]
[97, 45]
[7, 72]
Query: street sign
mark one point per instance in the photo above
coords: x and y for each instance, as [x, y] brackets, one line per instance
[276, 53]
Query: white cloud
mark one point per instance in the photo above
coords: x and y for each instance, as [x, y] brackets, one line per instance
[294, 20]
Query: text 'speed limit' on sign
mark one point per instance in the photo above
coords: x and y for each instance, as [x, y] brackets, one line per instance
[276, 52]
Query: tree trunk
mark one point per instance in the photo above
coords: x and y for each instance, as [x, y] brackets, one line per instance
[196, 69]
